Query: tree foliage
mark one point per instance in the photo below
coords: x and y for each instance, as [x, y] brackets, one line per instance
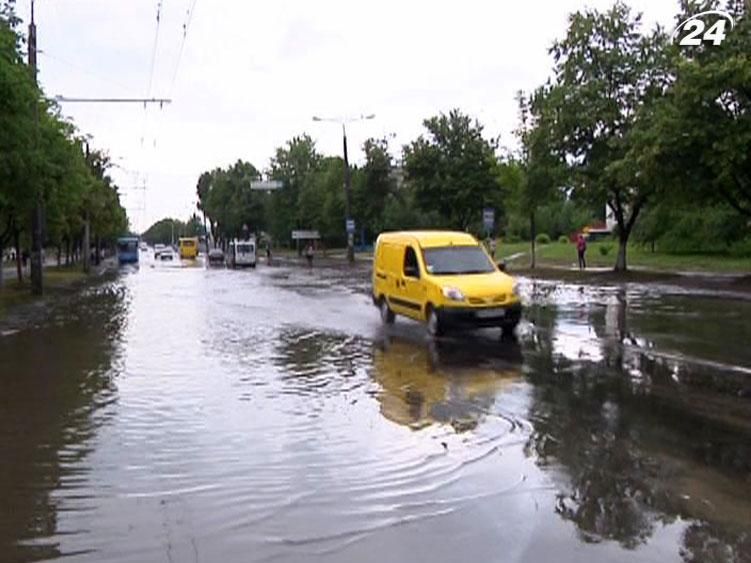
[42, 157]
[229, 204]
[697, 140]
[606, 76]
[453, 170]
[167, 231]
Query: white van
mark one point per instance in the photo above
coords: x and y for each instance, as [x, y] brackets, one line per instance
[242, 253]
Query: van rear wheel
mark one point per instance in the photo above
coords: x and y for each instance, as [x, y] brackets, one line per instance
[387, 315]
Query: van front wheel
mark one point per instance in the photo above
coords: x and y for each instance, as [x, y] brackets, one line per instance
[387, 315]
[432, 322]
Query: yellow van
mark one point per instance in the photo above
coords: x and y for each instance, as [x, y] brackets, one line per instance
[188, 247]
[445, 279]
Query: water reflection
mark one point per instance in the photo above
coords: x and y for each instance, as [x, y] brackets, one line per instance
[55, 385]
[625, 435]
[451, 382]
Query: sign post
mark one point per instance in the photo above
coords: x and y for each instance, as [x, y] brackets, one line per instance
[350, 225]
[488, 219]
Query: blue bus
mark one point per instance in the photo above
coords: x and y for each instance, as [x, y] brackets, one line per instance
[127, 250]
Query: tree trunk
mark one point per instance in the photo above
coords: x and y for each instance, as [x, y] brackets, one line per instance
[17, 244]
[97, 242]
[67, 251]
[533, 234]
[625, 226]
[86, 245]
[2, 261]
[620, 263]
[59, 255]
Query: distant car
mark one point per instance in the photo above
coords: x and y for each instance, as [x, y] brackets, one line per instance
[167, 254]
[158, 248]
[143, 246]
[242, 253]
[216, 257]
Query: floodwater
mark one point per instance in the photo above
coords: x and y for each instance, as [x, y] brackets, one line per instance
[185, 414]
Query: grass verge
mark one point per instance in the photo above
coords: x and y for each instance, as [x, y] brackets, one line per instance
[14, 293]
[560, 255]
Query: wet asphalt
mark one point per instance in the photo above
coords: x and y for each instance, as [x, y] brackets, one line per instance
[178, 413]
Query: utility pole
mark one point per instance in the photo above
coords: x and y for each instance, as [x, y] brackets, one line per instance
[348, 198]
[87, 227]
[37, 281]
[347, 180]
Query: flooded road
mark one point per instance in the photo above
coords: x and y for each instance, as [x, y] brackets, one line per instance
[184, 414]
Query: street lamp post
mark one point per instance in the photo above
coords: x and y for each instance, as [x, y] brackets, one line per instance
[347, 177]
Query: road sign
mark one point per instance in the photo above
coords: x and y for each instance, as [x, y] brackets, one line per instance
[350, 224]
[305, 235]
[488, 219]
[265, 185]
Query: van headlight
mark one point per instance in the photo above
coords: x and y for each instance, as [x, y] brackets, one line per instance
[453, 294]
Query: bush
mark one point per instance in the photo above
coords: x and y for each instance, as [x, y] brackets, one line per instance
[542, 238]
[563, 239]
[605, 249]
[741, 249]
[512, 239]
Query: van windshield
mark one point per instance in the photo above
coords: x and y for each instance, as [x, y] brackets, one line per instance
[454, 260]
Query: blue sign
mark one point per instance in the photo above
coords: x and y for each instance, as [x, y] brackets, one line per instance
[350, 224]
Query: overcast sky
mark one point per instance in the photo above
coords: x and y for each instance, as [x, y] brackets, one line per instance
[252, 75]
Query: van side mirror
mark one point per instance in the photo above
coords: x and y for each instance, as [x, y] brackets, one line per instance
[502, 266]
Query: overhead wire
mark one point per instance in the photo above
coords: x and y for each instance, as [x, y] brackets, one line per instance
[186, 27]
[155, 47]
[152, 68]
[81, 69]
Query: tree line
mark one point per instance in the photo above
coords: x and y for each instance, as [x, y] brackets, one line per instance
[168, 231]
[656, 133]
[445, 178]
[44, 158]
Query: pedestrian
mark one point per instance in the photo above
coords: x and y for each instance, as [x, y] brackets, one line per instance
[492, 248]
[268, 253]
[581, 249]
[25, 257]
[309, 254]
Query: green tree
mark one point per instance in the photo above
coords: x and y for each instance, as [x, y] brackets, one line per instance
[606, 74]
[454, 170]
[18, 96]
[539, 171]
[163, 231]
[226, 199]
[294, 165]
[372, 186]
[40, 157]
[697, 139]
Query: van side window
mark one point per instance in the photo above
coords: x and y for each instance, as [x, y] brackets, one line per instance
[411, 269]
